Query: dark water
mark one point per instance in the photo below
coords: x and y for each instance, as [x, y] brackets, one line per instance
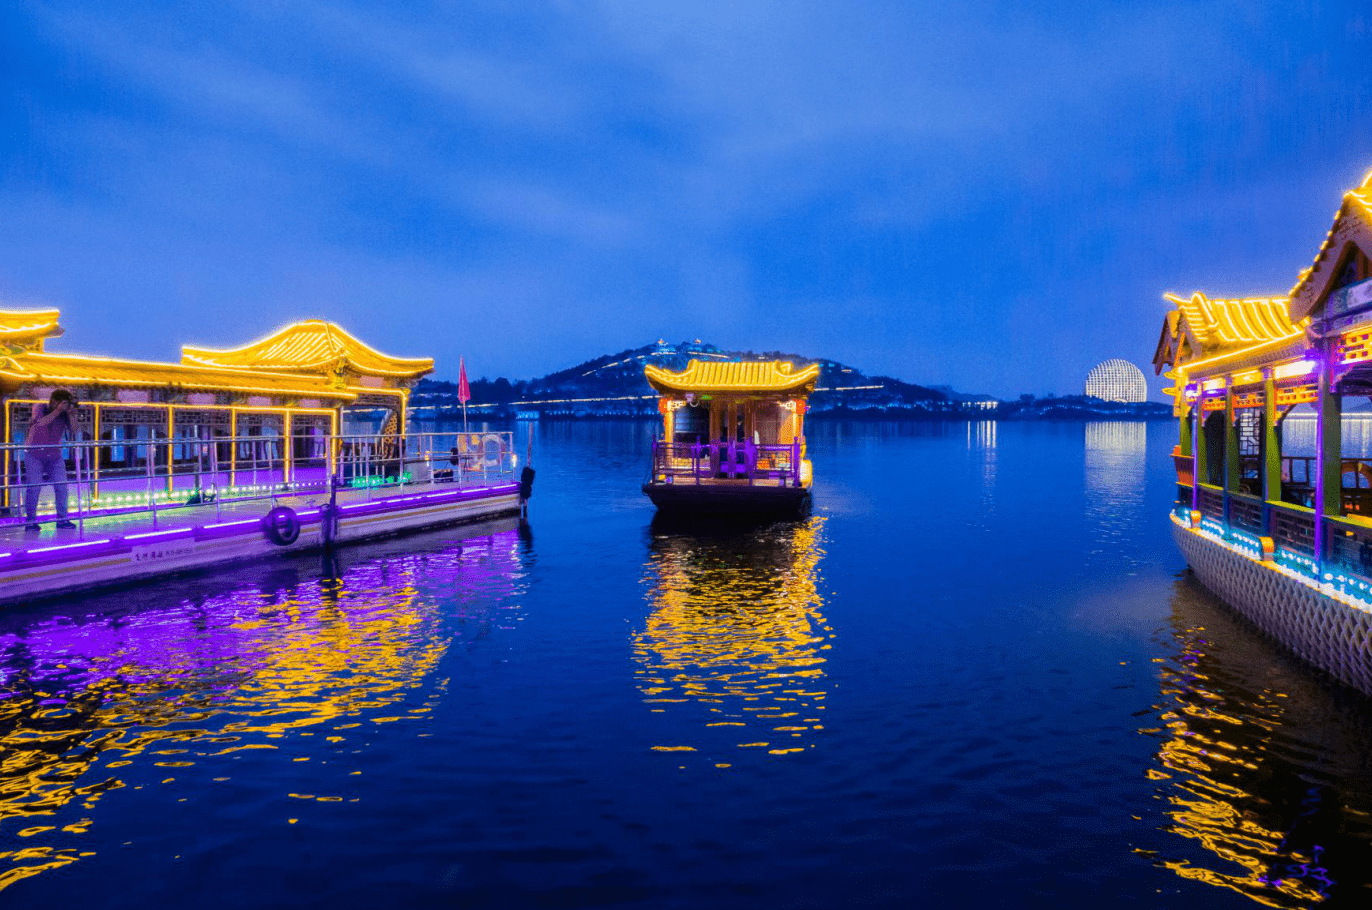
[977, 676]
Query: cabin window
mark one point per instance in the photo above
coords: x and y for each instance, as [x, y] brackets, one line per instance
[767, 421]
[1251, 451]
[691, 424]
[130, 432]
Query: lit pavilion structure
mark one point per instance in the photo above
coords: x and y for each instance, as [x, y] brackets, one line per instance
[1283, 536]
[733, 437]
[292, 388]
[228, 457]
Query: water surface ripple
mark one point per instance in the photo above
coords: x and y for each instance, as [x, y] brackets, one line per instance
[978, 675]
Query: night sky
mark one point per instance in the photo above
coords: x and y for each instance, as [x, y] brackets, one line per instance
[992, 196]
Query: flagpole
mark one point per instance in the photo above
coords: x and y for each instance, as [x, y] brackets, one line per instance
[464, 393]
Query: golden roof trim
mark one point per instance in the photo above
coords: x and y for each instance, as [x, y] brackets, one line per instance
[312, 345]
[1308, 290]
[76, 369]
[19, 325]
[707, 376]
[1201, 328]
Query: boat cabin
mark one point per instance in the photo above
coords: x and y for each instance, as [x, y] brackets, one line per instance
[1261, 387]
[262, 413]
[733, 436]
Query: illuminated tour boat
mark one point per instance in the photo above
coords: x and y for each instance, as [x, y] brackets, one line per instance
[732, 437]
[1271, 514]
[296, 441]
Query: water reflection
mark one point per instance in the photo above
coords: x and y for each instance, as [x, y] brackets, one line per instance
[1115, 462]
[126, 693]
[736, 637]
[1257, 769]
[981, 435]
[1115, 465]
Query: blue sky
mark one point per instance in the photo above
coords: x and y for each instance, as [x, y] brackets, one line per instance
[988, 195]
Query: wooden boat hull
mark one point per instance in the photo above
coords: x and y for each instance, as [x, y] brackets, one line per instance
[740, 499]
[1320, 624]
[66, 568]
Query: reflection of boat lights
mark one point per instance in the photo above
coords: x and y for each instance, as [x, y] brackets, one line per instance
[155, 690]
[736, 629]
[1214, 747]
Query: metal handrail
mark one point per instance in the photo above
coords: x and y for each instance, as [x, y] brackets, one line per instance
[157, 473]
[734, 460]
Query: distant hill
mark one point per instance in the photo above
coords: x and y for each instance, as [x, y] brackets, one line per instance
[613, 385]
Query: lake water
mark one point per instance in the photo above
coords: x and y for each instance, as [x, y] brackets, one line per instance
[978, 675]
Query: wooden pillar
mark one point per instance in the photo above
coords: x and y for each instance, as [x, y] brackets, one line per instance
[1184, 430]
[171, 460]
[233, 448]
[1271, 442]
[1194, 418]
[1328, 463]
[95, 452]
[288, 446]
[1203, 454]
[1231, 450]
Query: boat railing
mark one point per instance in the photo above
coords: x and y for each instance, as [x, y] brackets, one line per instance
[378, 462]
[158, 475]
[699, 462]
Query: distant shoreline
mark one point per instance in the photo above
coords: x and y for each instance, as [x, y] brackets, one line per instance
[1057, 416]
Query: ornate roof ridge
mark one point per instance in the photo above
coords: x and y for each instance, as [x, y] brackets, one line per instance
[733, 375]
[310, 345]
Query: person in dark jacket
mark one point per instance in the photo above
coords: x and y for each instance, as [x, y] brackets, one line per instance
[43, 456]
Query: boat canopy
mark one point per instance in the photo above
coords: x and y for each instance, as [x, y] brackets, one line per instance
[312, 346]
[25, 330]
[298, 380]
[1202, 327]
[1342, 256]
[741, 377]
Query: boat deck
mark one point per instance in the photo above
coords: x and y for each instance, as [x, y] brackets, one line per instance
[116, 548]
[93, 527]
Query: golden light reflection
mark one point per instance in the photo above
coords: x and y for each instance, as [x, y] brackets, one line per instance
[1225, 784]
[736, 635]
[104, 702]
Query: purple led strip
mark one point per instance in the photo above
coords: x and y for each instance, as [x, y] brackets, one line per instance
[92, 549]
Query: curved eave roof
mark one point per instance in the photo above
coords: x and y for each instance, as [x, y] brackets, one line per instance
[74, 370]
[1221, 323]
[21, 325]
[310, 346]
[1200, 327]
[711, 376]
[1355, 218]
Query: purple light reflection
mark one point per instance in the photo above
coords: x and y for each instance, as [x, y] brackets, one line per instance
[93, 694]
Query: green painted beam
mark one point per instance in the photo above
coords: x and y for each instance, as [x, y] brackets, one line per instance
[1271, 469]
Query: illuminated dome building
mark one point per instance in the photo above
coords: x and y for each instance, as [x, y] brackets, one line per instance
[1116, 380]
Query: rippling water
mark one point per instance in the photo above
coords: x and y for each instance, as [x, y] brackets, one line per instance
[978, 675]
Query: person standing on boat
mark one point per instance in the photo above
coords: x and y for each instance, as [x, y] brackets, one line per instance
[43, 462]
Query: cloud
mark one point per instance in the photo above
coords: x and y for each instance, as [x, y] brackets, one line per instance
[899, 185]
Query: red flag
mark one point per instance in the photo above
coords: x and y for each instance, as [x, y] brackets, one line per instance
[464, 391]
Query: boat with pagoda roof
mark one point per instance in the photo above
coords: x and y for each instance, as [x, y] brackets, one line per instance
[1280, 530]
[733, 437]
[296, 441]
